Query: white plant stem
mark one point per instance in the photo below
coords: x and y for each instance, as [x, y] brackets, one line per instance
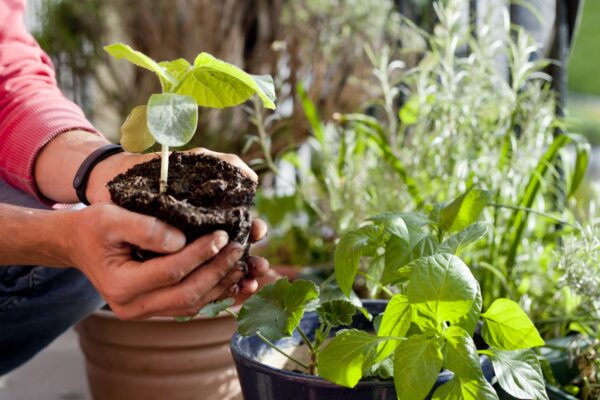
[164, 168]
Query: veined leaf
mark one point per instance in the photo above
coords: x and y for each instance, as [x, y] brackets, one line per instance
[375, 271]
[348, 253]
[395, 322]
[215, 83]
[469, 321]
[456, 243]
[276, 309]
[507, 327]
[213, 309]
[121, 50]
[442, 286]
[393, 223]
[461, 354]
[399, 253]
[519, 373]
[336, 312]
[464, 210]
[417, 363]
[172, 118]
[176, 68]
[347, 356]
[135, 136]
[461, 389]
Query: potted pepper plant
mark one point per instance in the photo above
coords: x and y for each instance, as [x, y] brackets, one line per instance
[431, 340]
[198, 194]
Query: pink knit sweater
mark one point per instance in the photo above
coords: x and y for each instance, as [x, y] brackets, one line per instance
[32, 108]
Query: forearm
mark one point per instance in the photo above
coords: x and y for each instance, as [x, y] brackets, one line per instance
[58, 161]
[34, 237]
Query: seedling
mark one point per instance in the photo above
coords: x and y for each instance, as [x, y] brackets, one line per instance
[429, 321]
[171, 117]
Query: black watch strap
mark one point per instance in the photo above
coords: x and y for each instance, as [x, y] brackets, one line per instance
[83, 173]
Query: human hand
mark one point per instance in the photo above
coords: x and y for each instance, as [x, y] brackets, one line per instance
[107, 169]
[179, 283]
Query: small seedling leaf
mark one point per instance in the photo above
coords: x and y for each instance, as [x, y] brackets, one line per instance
[172, 118]
[121, 50]
[135, 136]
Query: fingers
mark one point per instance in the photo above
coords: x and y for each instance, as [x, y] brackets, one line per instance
[146, 232]
[257, 267]
[231, 159]
[203, 285]
[136, 278]
[258, 230]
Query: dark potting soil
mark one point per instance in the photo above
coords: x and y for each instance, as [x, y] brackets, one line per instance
[204, 194]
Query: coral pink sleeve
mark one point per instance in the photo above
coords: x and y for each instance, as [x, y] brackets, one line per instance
[32, 108]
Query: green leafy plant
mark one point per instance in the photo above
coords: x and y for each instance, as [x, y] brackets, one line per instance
[429, 321]
[170, 118]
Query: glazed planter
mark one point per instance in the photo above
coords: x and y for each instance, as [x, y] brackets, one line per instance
[260, 381]
[159, 358]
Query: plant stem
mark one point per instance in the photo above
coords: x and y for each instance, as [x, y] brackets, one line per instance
[262, 135]
[270, 344]
[532, 211]
[164, 168]
[383, 288]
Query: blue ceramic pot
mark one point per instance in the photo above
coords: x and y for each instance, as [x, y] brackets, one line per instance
[262, 382]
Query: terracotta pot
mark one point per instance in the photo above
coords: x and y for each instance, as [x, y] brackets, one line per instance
[159, 358]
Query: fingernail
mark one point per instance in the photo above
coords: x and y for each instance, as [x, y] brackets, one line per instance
[221, 239]
[173, 241]
[240, 266]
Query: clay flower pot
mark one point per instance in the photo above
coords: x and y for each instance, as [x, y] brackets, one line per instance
[159, 359]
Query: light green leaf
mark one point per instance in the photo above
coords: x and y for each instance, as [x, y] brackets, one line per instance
[176, 68]
[409, 113]
[375, 271]
[464, 210]
[442, 286]
[120, 50]
[460, 389]
[519, 373]
[582, 149]
[336, 312]
[135, 136]
[507, 327]
[213, 309]
[399, 253]
[347, 356]
[456, 243]
[172, 118]
[395, 322]
[348, 253]
[393, 223]
[215, 83]
[383, 370]
[469, 322]
[417, 363]
[331, 292]
[461, 354]
[276, 309]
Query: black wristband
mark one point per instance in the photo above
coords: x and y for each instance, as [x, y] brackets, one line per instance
[83, 173]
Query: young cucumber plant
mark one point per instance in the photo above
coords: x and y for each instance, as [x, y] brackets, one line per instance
[429, 322]
[170, 118]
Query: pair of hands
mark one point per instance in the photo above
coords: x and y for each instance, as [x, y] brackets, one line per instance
[182, 281]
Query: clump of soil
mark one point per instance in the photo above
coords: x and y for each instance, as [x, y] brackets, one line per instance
[204, 194]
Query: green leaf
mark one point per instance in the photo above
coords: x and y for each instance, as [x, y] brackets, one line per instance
[582, 149]
[383, 370]
[215, 83]
[442, 286]
[336, 312]
[399, 253]
[519, 373]
[347, 356]
[395, 322]
[375, 271]
[461, 354]
[276, 309]
[460, 389]
[409, 113]
[176, 68]
[417, 363]
[348, 253]
[393, 223]
[456, 243]
[331, 291]
[120, 50]
[172, 118]
[507, 327]
[469, 322]
[135, 136]
[464, 210]
[213, 309]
